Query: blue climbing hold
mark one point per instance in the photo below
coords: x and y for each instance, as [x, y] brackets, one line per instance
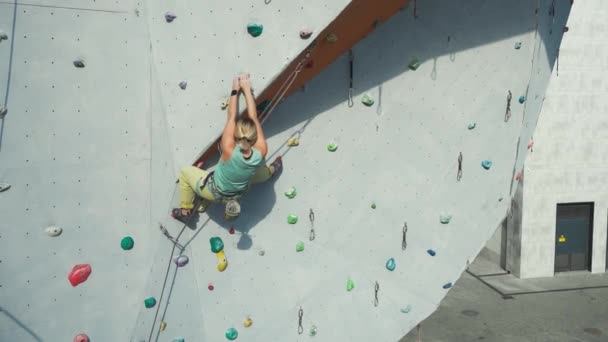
[447, 286]
[390, 264]
[486, 164]
[431, 252]
[522, 99]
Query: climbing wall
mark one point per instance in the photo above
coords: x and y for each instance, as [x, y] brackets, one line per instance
[396, 164]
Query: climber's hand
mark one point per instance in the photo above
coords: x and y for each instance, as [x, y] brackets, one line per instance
[236, 84]
[244, 82]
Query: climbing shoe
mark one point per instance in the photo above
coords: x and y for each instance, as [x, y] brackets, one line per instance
[277, 164]
[177, 214]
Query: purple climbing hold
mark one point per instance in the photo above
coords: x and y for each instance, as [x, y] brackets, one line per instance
[183, 85]
[169, 16]
[181, 260]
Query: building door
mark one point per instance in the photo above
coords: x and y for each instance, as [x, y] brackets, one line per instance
[573, 237]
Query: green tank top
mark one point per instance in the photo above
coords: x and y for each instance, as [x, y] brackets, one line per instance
[232, 176]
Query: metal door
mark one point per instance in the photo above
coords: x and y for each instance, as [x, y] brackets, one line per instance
[573, 237]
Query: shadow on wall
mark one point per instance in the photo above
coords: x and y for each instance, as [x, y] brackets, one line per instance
[443, 28]
[21, 325]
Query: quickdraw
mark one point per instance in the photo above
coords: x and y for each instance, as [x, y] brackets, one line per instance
[311, 217]
[508, 111]
[459, 174]
[300, 316]
[404, 240]
[376, 289]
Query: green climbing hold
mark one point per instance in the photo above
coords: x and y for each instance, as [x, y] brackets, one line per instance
[291, 193]
[217, 245]
[300, 246]
[472, 125]
[313, 331]
[179, 340]
[292, 219]
[373, 205]
[332, 147]
[127, 243]
[486, 164]
[414, 64]
[522, 99]
[255, 29]
[150, 302]
[232, 334]
[391, 265]
[445, 219]
[350, 285]
[367, 100]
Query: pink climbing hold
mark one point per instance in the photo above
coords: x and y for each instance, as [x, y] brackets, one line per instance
[518, 176]
[81, 338]
[531, 144]
[200, 164]
[79, 274]
[231, 230]
[210, 287]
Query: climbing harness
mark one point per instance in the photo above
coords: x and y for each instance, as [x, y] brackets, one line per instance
[376, 289]
[459, 174]
[404, 240]
[300, 316]
[311, 217]
[508, 111]
[351, 59]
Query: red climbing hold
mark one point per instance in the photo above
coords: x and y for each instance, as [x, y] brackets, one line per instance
[81, 338]
[210, 287]
[231, 230]
[79, 274]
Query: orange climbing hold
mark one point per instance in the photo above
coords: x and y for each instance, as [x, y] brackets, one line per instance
[79, 274]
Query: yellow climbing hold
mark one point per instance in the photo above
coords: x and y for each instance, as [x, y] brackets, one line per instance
[222, 263]
[163, 326]
[293, 142]
[248, 322]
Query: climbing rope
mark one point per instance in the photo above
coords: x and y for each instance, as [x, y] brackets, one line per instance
[351, 59]
[508, 111]
[459, 174]
[300, 316]
[552, 15]
[415, 9]
[557, 63]
[404, 240]
[376, 289]
[311, 217]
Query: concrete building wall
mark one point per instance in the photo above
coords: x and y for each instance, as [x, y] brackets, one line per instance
[569, 162]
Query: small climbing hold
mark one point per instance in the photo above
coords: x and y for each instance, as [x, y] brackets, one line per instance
[445, 218]
[300, 246]
[517, 45]
[225, 103]
[313, 331]
[332, 147]
[216, 244]
[222, 263]
[472, 125]
[150, 302]
[406, 309]
[163, 326]
[414, 64]
[331, 38]
[231, 231]
[305, 34]
[447, 286]
[79, 274]
[293, 142]
[3, 111]
[53, 231]
[232, 334]
[183, 84]
[79, 63]
[181, 339]
[291, 193]
[522, 99]
[3, 36]
[531, 144]
[350, 285]
[373, 205]
[127, 243]
[367, 100]
[81, 338]
[309, 64]
[500, 199]
[566, 29]
[518, 176]
[292, 219]
[486, 164]
[181, 260]
[248, 322]
[210, 287]
[255, 30]
[170, 16]
[391, 265]
[4, 187]
[261, 252]
[431, 252]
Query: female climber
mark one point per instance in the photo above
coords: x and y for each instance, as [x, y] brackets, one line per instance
[242, 162]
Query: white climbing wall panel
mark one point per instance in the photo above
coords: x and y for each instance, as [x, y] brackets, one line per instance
[95, 150]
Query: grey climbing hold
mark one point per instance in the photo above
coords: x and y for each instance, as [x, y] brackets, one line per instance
[4, 187]
[3, 36]
[181, 260]
[414, 64]
[170, 16]
[255, 30]
[261, 252]
[517, 45]
[472, 125]
[53, 231]
[313, 331]
[445, 219]
[486, 164]
[79, 63]
[367, 100]
[406, 309]
[3, 111]
[390, 264]
[183, 85]
[305, 34]
[447, 286]
[522, 99]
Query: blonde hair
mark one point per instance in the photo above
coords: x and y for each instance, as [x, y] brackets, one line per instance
[245, 133]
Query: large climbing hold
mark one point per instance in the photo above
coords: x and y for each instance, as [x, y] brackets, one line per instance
[4, 186]
[255, 29]
[232, 334]
[222, 263]
[170, 16]
[216, 244]
[79, 274]
[150, 302]
[486, 164]
[53, 231]
[81, 338]
[127, 243]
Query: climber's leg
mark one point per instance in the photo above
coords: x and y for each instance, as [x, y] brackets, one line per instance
[191, 179]
[263, 173]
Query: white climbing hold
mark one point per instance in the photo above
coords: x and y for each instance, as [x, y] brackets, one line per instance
[169, 16]
[4, 186]
[53, 231]
[183, 85]
[305, 34]
[225, 103]
[445, 218]
[181, 260]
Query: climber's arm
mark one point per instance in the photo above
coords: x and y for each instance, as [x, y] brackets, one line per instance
[227, 143]
[252, 112]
